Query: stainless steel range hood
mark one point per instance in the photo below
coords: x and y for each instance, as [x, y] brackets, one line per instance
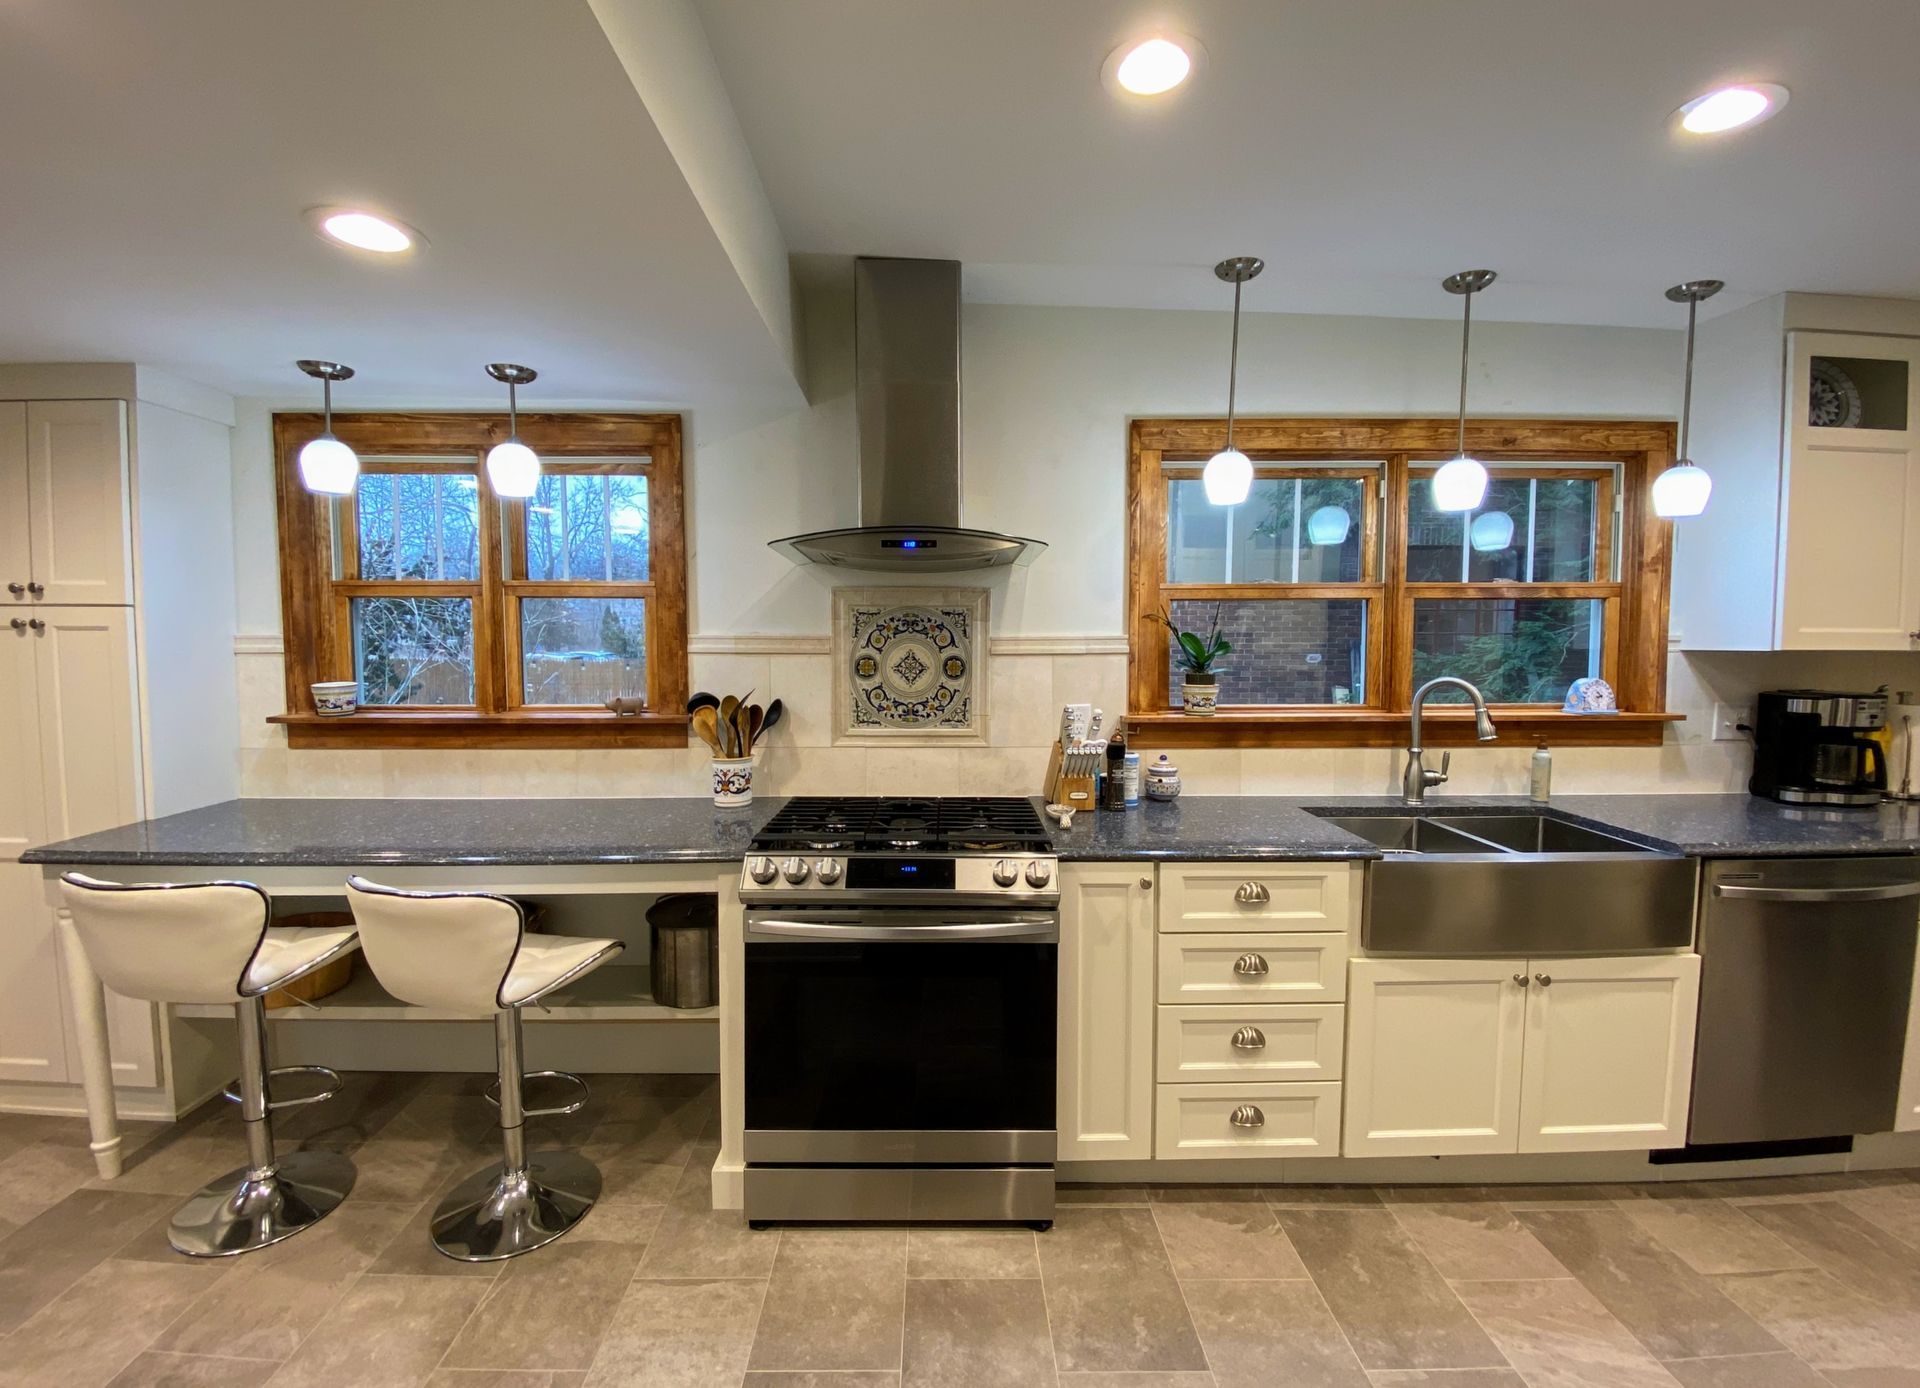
[907, 396]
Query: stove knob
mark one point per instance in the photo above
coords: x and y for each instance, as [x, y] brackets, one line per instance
[1039, 873]
[827, 870]
[1006, 872]
[794, 870]
[762, 870]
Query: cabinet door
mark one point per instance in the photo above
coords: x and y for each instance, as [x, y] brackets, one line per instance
[1850, 575]
[77, 501]
[1907, 1118]
[16, 567]
[1433, 1056]
[23, 820]
[89, 740]
[1609, 1053]
[32, 1027]
[1106, 1013]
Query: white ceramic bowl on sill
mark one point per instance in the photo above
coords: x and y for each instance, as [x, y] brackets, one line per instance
[336, 698]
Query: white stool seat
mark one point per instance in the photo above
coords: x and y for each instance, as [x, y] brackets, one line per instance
[544, 962]
[287, 952]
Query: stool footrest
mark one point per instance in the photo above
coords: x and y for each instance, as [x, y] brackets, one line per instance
[232, 1095]
[493, 1093]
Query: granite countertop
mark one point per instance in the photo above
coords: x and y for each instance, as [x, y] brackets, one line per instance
[580, 832]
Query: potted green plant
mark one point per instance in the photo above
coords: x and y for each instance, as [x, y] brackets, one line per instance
[1196, 654]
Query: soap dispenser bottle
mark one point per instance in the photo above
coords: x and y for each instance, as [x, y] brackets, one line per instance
[1540, 779]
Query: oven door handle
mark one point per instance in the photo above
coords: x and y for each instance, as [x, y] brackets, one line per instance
[1040, 928]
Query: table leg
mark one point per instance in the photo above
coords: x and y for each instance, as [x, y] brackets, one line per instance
[89, 1007]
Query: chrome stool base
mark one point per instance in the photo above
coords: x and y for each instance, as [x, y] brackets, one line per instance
[238, 1213]
[494, 1214]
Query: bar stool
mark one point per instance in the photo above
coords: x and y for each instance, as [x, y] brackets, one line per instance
[470, 953]
[211, 943]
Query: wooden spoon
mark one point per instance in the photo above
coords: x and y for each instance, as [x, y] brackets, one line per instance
[706, 724]
[757, 718]
[728, 707]
[775, 711]
[743, 729]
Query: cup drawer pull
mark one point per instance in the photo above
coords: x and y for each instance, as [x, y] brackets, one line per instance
[1250, 966]
[1249, 1039]
[1252, 894]
[1247, 1116]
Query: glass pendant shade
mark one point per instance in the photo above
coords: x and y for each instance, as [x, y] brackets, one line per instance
[1329, 526]
[329, 467]
[1491, 532]
[1228, 477]
[513, 470]
[1682, 490]
[1460, 485]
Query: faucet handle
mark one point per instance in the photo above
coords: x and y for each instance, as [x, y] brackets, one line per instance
[1434, 778]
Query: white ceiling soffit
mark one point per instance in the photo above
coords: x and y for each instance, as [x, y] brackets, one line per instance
[1366, 148]
[159, 158]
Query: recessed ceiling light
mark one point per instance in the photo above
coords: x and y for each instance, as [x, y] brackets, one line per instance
[1729, 108]
[363, 230]
[1153, 66]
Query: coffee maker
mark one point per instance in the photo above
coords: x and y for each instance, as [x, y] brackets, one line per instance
[1816, 747]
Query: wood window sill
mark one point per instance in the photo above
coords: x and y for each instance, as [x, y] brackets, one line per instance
[544, 729]
[1449, 727]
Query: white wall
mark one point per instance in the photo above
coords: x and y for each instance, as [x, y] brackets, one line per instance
[1047, 396]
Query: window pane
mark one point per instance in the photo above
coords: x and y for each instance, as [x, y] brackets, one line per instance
[592, 528]
[1285, 651]
[413, 650]
[1517, 651]
[1316, 519]
[583, 650]
[418, 525]
[1496, 544]
[1565, 511]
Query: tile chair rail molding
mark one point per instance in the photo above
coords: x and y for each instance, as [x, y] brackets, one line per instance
[471, 952]
[213, 943]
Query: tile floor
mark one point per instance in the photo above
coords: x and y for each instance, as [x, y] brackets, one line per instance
[1777, 1283]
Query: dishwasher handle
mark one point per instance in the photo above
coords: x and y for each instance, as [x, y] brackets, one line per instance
[1813, 896]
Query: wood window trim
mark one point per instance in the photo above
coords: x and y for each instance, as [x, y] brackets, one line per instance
[1636, 619]
[316, 652]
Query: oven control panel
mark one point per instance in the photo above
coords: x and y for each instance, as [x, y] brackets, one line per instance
[1015, 876]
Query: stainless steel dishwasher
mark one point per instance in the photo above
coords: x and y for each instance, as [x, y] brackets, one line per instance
[1806, 970]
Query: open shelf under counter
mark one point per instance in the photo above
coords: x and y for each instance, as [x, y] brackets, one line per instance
[611, 994]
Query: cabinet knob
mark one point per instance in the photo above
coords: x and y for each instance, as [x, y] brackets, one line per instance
[1247, 1116]
[19, 624]
[1520, 979]
[1250, 966]
[1252, 894]
[35, 624]
[1249, 1039]
[36, 588]
[1146, 884]
[17, 589]
[1544, 980]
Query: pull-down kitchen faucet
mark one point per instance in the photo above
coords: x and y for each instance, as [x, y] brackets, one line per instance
[1413, 785]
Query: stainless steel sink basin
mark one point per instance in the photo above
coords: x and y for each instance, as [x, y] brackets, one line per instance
[1515, 884]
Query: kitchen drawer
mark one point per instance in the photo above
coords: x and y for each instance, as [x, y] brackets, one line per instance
[1299, 968]
[1297, 1043]
[1195, 1121]
[1212, 897]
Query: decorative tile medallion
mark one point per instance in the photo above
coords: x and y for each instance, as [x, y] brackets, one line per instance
[908, 662]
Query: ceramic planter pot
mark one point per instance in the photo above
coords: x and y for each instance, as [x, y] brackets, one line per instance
[733, 780]
[1200, 692]
[336, 698]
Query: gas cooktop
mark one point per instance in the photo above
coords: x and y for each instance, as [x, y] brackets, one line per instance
[884, 824]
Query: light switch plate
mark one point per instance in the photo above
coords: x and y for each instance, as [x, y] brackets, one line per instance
[1727, 719]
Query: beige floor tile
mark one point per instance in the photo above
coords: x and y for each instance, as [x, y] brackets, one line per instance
[1849, 1245]
[1477, 1242]
[1304, 1197]
[57, 1247]
[835, 1300]
[39, 1176]
[1157, 1378]
[1827, 1323]
[1514, 1197]
[1445, 1378]
[972, 1253]
[411, 1252]
[1713, 1236]
[961, 1333]
[695, 1240]
[1112, 1297]
[1894, 1208]
[97, 1326]
[160, 1369]
[808, 1378]
[1674, 1311]
[505, 1378]
[1746, 1371]
[691, 1334]
[1558, 1335]
[1242, 1241]
[1255, 1333]
[1394, 1307]
[386, 1332]
[1790, 1189]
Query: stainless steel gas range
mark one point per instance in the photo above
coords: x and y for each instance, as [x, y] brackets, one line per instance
[901, 958]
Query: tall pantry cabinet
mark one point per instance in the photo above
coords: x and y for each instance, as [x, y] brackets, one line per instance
[116, 681]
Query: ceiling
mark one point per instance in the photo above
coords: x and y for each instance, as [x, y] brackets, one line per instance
[1366, 148]
[159, 157]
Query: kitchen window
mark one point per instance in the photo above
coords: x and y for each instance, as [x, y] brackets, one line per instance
[468, 619]
[1342, 589]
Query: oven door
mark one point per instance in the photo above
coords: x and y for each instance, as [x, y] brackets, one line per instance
[900, 1036]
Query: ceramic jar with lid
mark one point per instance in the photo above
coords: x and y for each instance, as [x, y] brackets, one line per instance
[1163, 780]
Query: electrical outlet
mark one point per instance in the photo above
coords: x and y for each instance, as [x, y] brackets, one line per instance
[1727, 719]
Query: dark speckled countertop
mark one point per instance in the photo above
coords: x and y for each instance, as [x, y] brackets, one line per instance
[350, 833]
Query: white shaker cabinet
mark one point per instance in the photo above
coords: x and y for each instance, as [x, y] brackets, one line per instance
[63, 480]
[1105, 1095]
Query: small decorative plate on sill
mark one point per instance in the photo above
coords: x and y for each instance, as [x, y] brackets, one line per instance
[1590, 696]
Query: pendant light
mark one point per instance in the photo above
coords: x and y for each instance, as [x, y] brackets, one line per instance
[1683, 489]
[327, 465]
[1229, 473]
[513, 469]
[1329, 526]
[1461, 484]
[1491, 531]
